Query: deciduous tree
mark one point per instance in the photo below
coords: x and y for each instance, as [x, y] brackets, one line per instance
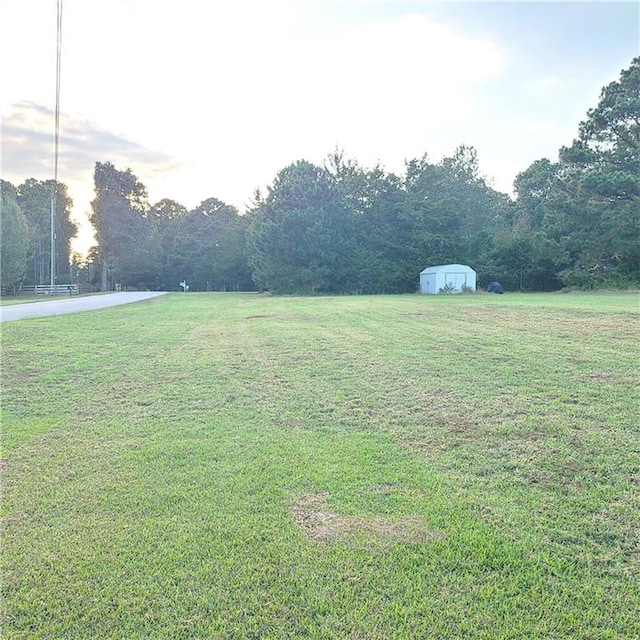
[14, 237]
[34, 198]
[117, 213]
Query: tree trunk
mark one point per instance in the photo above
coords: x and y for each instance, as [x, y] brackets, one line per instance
[104, 285]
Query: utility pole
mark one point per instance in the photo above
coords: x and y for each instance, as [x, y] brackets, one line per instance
[52, 266]
[54, 194]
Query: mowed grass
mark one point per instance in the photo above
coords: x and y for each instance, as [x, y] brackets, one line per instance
[240, 466]
[26, 298]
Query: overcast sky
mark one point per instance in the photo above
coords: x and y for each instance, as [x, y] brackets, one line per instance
[212, 98]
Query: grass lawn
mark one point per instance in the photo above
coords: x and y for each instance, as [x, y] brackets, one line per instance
[241, 466]
[26, 298]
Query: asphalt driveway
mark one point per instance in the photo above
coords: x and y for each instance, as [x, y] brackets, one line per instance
[58, 306]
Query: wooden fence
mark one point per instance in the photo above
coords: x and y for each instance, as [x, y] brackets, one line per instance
[47, 290]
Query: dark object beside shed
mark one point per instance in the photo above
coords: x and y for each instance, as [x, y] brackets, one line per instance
[495, 287]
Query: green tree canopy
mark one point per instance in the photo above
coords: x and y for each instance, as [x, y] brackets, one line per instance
[34, 199]
[206, 248]
[117, 214]
[14, 237]
[374, 201]
[300, 236]
[596, 205]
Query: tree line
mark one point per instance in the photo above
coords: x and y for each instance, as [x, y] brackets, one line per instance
[25, 216]
[343, 228]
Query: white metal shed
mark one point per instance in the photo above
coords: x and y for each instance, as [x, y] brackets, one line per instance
[453, 277]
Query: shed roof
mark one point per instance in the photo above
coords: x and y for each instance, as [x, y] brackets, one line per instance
[446, 267]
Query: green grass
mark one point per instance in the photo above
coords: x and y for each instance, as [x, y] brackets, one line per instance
[26, 298]
[23, 299]
[240, 466]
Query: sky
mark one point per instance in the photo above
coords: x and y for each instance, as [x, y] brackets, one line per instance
[212, 99]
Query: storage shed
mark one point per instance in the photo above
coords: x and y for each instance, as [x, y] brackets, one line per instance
[448, 277]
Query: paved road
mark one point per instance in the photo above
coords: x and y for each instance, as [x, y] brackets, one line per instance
[57, 306]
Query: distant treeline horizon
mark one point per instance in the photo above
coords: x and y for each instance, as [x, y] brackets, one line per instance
[343, 228]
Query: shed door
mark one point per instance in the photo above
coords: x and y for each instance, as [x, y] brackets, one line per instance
[457, 279]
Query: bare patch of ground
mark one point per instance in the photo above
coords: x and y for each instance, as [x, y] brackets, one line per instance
[314, 517]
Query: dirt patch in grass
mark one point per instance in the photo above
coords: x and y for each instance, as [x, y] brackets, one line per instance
[313, 516]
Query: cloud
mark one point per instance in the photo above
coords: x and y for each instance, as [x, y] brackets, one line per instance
[27, 136]
[27, 152]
